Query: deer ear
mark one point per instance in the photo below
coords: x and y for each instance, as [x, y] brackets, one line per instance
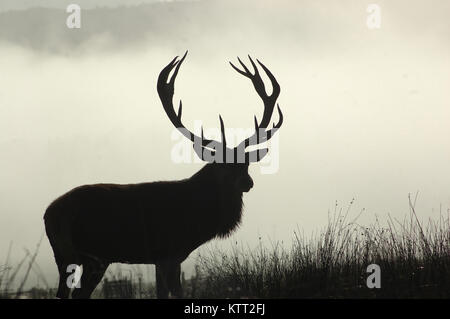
[253, 156]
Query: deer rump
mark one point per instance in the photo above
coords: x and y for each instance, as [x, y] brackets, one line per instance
[138, 223]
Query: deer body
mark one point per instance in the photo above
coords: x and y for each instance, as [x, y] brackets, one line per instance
[147, 222]
[158, 223]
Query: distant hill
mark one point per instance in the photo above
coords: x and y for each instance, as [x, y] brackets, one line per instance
[44, 29]
[7, 5]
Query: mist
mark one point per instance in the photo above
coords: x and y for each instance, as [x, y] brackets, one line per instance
[367, 117]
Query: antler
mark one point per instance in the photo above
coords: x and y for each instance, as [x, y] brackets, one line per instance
[269, 104]
[166, 89]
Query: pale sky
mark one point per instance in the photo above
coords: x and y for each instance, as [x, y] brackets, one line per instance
[367, 112]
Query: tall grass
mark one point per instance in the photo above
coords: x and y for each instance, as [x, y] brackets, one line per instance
[12, 287]
[414, 259]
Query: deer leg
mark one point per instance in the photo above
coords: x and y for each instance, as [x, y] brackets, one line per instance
[63, 288]
[93, 272]
[162, 289]
[63, 262]
[174, 280]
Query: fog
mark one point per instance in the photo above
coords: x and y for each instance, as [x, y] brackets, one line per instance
[9, 5]
[367, 114]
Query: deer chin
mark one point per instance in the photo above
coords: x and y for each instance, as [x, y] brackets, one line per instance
[246, 188]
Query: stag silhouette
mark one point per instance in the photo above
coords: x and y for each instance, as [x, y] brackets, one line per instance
[159, 223]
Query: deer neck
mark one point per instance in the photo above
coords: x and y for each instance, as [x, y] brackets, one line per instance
[230, 212]
[223, 204]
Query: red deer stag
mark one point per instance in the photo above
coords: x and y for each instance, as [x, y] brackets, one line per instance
[159, 223]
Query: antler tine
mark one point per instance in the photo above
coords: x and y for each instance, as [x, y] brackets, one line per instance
[275, 127]
[258, 138]
[245, 68]
[177, 67]
[275, 85]
[180, 110]
[280, 120]
[166, 88]
[268, 100]
[238, 70]
[222, 130]
[246, 71]
[254, 65]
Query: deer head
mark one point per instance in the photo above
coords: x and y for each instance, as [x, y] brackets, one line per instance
[232, 162]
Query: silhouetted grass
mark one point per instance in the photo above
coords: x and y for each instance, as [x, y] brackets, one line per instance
[414, 258]
[414, 261]
[8, 277]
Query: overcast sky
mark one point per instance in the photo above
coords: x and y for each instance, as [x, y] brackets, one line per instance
[6, 5]
[367, 112]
